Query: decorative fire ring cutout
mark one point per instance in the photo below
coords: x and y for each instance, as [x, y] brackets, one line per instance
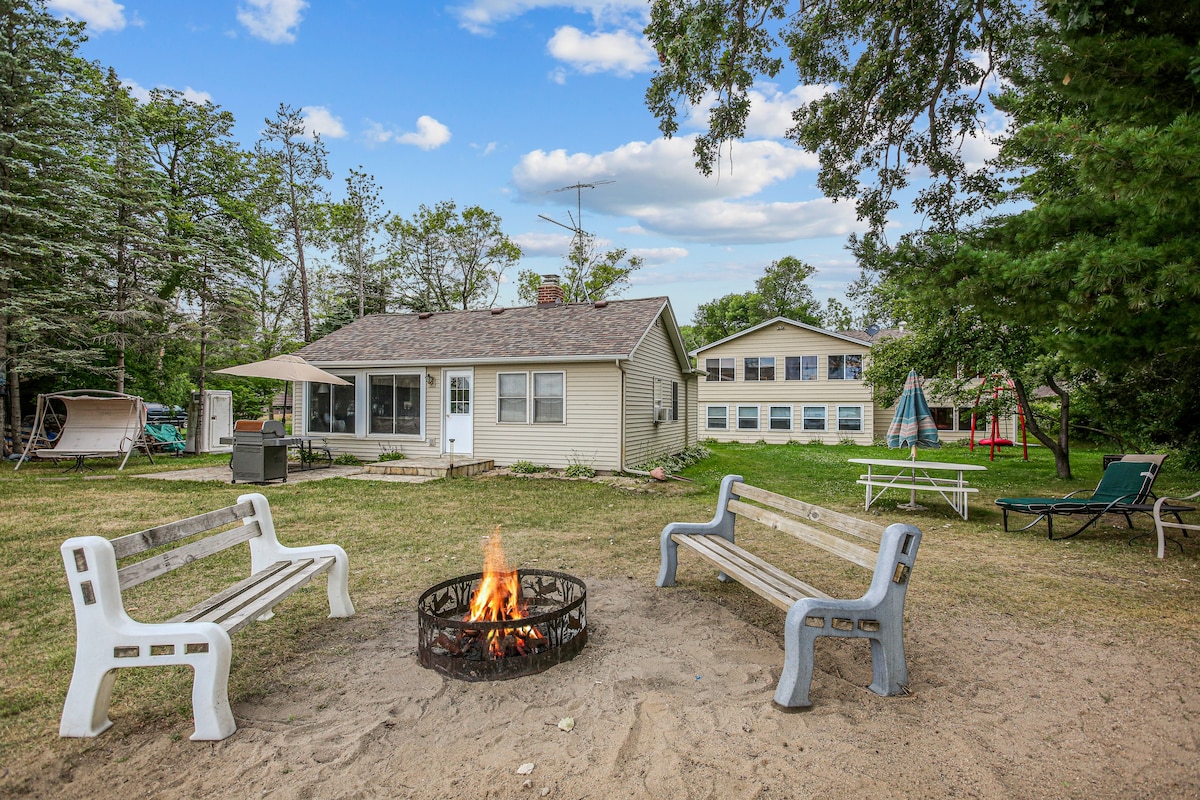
[552, 630]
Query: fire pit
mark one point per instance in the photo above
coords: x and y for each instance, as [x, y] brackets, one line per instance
[501, 623]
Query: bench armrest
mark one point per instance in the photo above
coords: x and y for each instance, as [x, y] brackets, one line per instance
[266, 550]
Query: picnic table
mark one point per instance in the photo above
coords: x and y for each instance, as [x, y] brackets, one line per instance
[917, 476]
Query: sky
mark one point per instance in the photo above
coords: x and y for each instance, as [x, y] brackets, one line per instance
[500, 104]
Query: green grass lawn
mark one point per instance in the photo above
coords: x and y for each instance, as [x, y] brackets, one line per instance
[402, 538]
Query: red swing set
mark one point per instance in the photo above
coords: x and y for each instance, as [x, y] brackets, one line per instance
[997, 383]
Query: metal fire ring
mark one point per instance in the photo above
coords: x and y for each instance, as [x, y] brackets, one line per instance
[440, 612]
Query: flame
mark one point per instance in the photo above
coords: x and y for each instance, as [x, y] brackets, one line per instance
[498, 599]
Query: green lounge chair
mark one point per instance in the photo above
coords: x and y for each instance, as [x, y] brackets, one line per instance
[1125, 485]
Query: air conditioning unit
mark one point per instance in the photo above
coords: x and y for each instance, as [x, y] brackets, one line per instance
[662, 414]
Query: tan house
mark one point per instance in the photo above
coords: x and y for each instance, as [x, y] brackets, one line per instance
[783, 381]
[605, 384]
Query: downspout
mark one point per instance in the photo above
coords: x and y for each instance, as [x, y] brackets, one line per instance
[625, 469]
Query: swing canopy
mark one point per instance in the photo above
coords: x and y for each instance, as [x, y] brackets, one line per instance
[98, 424]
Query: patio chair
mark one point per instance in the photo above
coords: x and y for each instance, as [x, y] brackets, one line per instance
[1164, 506]
[162, 438]
[1124, 489]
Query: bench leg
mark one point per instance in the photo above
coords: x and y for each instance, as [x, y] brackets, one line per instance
[798, 641]
[85, 711]
[888, 665]
[669, 560]
[210, 696]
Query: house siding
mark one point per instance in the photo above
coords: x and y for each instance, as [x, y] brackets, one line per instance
[654, 359]
[589, 434]
[780, 341]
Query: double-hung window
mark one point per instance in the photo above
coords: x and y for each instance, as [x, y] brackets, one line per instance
[512, 402]
[850, 418]
[800, 368]
[759, 369]
[814, 418]
[747, 418]
[396, 404]
[845, 368]
[549, 396]
[718, 369]
[716, 418]
[780, 418]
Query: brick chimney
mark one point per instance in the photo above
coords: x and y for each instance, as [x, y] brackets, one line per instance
[550, 293]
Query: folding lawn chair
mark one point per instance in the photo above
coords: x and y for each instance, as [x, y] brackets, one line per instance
[1124, 485]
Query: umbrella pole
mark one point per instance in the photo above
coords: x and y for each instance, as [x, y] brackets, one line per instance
[912, 499]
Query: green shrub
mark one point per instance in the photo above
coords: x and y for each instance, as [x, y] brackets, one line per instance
[527, 467]
[347, 459]
[391, 455]
[578, 470]
[675, 463]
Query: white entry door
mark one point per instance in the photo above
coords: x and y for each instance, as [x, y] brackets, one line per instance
[458, 403]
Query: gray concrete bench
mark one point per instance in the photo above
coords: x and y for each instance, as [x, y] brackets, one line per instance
[108, 639]
[878, 615]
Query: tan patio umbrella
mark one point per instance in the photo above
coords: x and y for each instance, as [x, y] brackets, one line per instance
[288, 368]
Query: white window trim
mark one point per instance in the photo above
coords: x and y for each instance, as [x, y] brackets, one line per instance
[421, 384]
[708, 416]
[862, 418]
[791, 425]
[824, 419]
[757, 417]
[533, 395]
[861, 366]
[525, 421]
[718, 379]
[758, 369]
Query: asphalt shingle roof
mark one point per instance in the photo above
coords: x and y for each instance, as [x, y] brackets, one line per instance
[571, 330]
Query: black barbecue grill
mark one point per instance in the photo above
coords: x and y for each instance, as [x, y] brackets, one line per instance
[260, 451]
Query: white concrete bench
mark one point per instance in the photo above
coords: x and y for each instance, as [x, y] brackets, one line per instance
[878, 615]
[108, 639]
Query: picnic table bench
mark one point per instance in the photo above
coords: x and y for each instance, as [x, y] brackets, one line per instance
[108, 639]
[914, 476]
[878, 615]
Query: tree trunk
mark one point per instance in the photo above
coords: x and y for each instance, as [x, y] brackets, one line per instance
[1059, 446]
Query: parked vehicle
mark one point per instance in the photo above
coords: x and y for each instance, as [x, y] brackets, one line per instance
[159, 413]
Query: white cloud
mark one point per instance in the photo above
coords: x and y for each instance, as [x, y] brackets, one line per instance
[770, 109]
[429, 135]
[139, 92]
[482, 16]
[100, 15]
[623, 53]
[543, 244]
[320, 120]
[656, 184]
[142, 94]
[657, 256]
[196, 96]
[272, 20]
[485, 150]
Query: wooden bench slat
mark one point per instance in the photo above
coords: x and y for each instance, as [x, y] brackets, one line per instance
[240, 604]
[826, 541]
[843, 522]
[764, 579]
[163, 563]
[266, 600]
[140, 542]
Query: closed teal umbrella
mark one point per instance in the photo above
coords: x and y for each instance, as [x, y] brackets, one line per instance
[913, 425]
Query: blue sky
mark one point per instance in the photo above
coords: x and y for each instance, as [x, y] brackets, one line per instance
[498, 103]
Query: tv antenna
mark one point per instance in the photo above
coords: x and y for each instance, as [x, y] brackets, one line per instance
[576, 226]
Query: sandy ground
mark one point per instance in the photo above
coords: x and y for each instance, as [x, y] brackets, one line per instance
[671, 697]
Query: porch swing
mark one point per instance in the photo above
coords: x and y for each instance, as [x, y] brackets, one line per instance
[997, 383]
